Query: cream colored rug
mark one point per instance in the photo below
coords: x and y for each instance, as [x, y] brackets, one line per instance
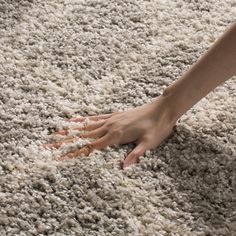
[65, 58]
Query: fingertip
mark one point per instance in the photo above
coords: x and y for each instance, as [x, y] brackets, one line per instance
[47, 146]
[125, 164]
[130, 161]
[71, 120]
[77, 119]
[125, 167]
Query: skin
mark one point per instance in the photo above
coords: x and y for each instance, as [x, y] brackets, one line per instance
[150, 124]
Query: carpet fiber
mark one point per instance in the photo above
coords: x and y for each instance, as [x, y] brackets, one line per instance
[65, 58]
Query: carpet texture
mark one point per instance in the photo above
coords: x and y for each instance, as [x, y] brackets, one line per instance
[64, 58]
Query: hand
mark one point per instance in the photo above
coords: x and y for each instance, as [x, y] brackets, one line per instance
[147, 126]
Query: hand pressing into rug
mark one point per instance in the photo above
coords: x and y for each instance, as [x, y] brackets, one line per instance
[149, 124]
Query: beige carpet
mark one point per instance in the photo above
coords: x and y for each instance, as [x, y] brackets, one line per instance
[64, 58]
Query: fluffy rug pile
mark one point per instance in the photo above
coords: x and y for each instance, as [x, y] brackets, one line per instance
[64, 58]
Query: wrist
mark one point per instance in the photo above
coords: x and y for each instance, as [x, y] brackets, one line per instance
[176, 102]
[170, 104]
[165, 108]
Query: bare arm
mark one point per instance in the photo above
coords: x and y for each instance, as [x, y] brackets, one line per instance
[149, 124]
[214, 67]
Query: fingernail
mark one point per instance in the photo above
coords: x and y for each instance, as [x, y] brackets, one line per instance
[62, 132]
[73, 120]
[124, 166]
[62, 158]
[68, 119]
[84, 151]
[46, 145]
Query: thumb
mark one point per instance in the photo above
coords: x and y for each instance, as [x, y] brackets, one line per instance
[133, 156]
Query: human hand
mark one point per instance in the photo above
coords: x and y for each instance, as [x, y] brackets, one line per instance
[147, 125]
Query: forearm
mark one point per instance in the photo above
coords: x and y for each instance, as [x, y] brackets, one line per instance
[215, 66]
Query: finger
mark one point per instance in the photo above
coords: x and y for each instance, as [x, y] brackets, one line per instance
[134, 155]
[94, 125]
[95, 118]
[88, 127]
[64, 131]
[88, 148]
[94, 134]
[102, 142]
[58, 144]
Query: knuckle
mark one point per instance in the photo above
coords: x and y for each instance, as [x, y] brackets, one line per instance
[133, 154]
[147, 139]
[117, 133]
[108, 124]
[136, 154]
